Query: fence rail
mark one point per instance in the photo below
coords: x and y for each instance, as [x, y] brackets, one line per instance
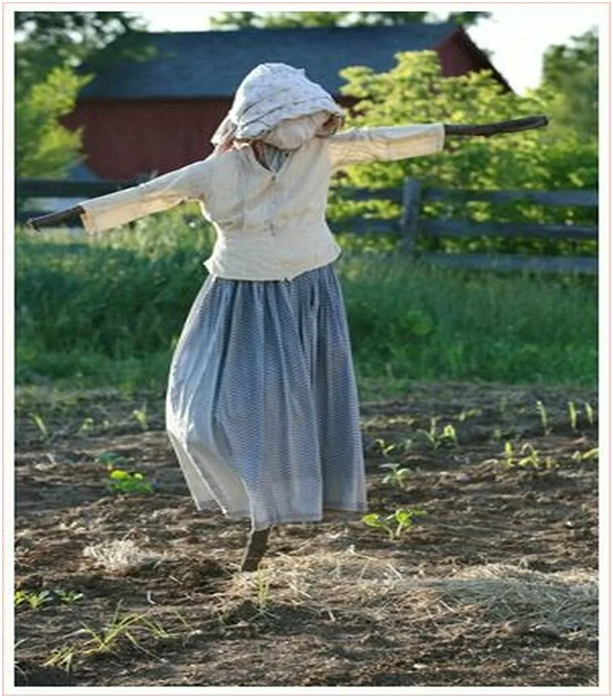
[409, 226]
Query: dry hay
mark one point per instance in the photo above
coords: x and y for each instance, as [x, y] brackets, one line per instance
[120, 556]
[351, 582]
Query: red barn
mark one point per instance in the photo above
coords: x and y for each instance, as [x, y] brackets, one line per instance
[145, 115]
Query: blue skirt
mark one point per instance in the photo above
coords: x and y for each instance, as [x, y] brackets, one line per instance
[262, 406]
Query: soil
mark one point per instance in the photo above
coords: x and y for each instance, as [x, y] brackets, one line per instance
[494, 584]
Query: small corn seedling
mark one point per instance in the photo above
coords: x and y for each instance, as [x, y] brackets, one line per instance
[396, 476]
[34, 599]
[384, 448]
[589, 413]
[87, 425]
[41, 425]
[540, 407]
[572, 415]
[68, 596]
[467, 413]
[509, 454]
[393, 524]
[592, 454]
[142, 417]
[528, 457]
[123, 482]
[263, 590]
[445, 437]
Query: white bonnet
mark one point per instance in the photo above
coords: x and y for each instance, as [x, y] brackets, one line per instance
[272, 93]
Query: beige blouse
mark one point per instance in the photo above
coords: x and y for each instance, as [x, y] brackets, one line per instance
[270, 225]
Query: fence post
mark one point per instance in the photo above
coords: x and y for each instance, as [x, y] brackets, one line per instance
[411, 204]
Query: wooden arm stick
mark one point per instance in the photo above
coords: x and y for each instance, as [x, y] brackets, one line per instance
[51, 219]
[487, 130]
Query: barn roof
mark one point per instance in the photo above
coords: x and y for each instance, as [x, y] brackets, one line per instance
[213, 63]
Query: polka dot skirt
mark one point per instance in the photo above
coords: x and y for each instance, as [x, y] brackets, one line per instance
[262, 405]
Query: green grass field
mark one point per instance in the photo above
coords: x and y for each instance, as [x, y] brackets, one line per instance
[108, 311]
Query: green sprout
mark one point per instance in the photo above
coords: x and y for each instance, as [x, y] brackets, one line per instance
[572, 415]
[68, 596]
[528, 457]
[40, 425]
[393, 524]
[383, 447]
[446, 437]
[592, 454]
[34, 599]
[543, 415]
[123, 482]
[142, 417]
[396, 476]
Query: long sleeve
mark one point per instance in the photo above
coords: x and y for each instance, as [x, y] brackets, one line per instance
[385, 143]
[159, 194]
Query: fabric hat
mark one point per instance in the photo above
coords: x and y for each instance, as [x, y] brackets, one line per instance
[273, 93]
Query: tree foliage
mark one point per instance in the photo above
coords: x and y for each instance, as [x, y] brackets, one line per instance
[571, 73]
[44, 148]
[285, 20]
[49, 39]
[415, 91]
[49, 47]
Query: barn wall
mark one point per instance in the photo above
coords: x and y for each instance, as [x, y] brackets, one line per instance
[129, 138]
[135, 137]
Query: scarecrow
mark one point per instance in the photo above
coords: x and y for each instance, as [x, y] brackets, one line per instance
[262, 403]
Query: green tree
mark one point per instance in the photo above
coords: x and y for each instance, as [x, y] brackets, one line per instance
[49, 47]
[415, 91]
[43, 147]
[48, 39]
[284, 20]
[570, 72]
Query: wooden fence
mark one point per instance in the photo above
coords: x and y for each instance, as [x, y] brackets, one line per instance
[410, 227]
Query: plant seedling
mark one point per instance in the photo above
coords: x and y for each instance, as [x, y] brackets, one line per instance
[572, 415]
[383, 447]
[68, 596]
[263, 590]
[436, 439]
[530, 458]
[467, 413]
[123, 482]
[87, 425]
[393, 524]
[41, 426]
[142, 417]
[35, 599]
[592, 454]
[543, 415]
[509, 456]
[589, 413]
[396, 476]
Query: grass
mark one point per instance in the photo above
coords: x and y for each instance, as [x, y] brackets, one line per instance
[109, 310]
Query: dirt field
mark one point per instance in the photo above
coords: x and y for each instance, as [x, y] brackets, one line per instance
[495, 584]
